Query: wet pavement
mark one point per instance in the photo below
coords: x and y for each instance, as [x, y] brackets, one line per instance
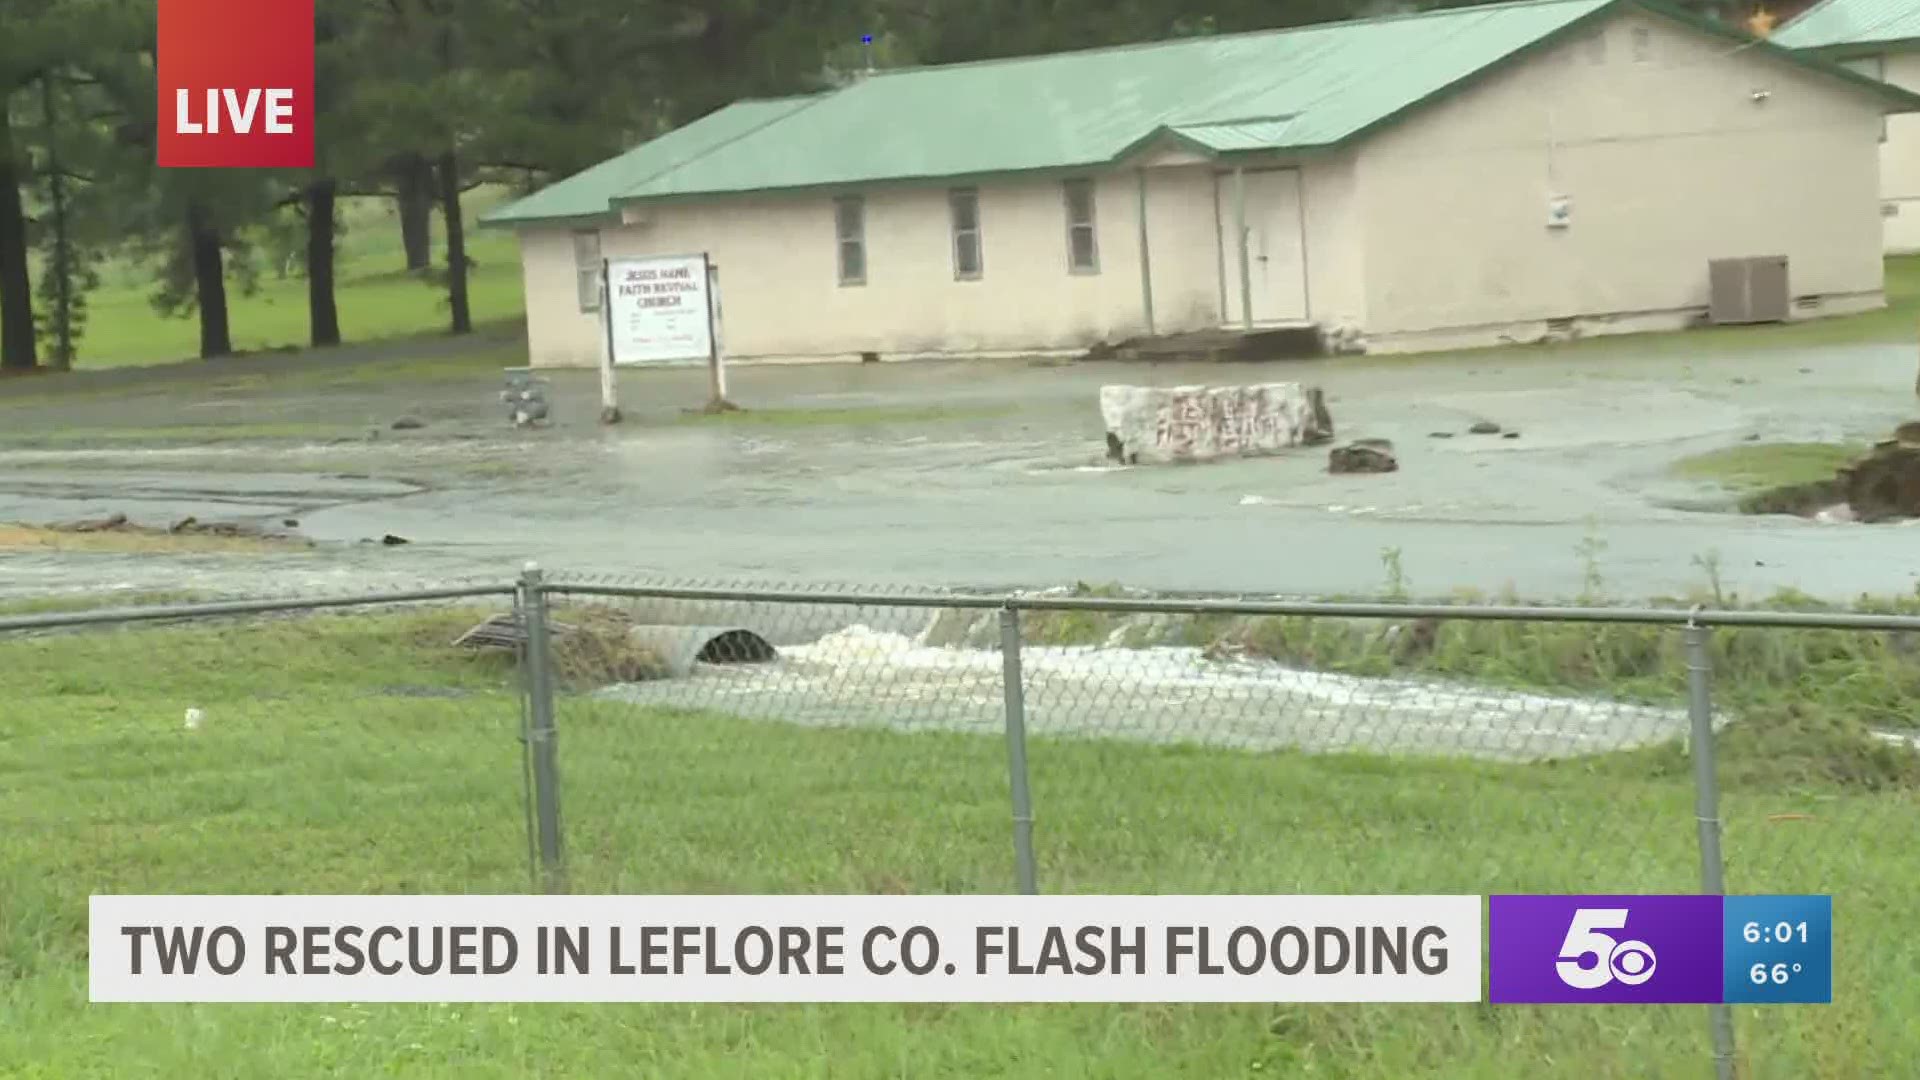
[973, 474]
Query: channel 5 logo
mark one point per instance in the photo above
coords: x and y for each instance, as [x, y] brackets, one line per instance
[1590, 958]
[236, 84]
[1602, 949]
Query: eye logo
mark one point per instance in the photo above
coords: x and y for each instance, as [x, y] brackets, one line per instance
[1590, 959]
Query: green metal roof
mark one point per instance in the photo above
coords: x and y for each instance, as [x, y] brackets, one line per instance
[1228, 136]
[1295, 89]
[1080, 109]
[1847, 23]
[589, 194]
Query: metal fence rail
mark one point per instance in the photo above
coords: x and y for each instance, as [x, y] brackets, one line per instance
[766, 739]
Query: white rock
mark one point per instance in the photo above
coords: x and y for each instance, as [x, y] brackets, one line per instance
[194, 717]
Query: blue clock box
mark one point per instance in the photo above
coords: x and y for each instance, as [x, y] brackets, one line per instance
[1779, 950]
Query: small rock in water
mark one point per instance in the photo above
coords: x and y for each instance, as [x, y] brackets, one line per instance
[1510, 435]
[408, 423]
[1485, 427]
[1363, 456]
[1439, 434]
[390, 540]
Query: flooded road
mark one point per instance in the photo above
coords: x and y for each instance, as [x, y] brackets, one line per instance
[991, 474]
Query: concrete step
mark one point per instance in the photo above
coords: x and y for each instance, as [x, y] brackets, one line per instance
[1279, 343]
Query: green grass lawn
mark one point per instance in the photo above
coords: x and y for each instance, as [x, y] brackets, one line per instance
[360, 754]
[377, 298]
[1755, 466]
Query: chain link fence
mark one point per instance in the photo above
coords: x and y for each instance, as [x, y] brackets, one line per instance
[729, 738]
[708, 738]
[318, 745]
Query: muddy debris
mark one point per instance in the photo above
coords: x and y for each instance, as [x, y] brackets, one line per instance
[106, 524]
[1879, 486]
[1820, 500]
[186, 526]
[192, 526]
[1884, 485]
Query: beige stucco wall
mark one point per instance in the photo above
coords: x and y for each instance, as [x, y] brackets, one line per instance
[1900, 159]
[1668, 162]
[1336, 248]
[783, 300]
[558, 335]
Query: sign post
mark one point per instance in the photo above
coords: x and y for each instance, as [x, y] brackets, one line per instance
[716, 356]
[609, 400]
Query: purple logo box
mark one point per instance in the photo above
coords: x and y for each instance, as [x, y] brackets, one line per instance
[1604, 949]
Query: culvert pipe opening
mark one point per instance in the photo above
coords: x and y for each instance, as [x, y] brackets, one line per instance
[736, 647]
[679, 648]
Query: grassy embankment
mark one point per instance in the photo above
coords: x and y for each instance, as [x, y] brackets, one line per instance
[1774, 478]
[361, 754]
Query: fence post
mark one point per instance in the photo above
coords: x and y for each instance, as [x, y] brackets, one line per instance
[541, 732]
[1706, 811]
[1017, 750]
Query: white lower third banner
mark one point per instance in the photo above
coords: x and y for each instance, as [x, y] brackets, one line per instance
[785, 948]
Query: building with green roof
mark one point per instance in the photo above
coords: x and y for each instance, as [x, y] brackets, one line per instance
[1498, 173]
[1881, 39]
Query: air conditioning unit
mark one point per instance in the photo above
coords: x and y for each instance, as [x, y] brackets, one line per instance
[1750, 290]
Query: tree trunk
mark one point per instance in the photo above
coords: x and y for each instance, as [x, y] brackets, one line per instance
[16, 287]
[323, 315]
[456, 243]
[64, 267]
[415, 203]
[209, 282]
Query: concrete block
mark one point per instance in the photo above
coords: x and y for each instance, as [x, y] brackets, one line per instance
[1147, 424]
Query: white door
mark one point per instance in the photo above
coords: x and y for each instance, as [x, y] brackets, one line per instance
[1276, 263]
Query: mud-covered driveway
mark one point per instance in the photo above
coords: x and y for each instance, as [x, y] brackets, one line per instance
[964, 473]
